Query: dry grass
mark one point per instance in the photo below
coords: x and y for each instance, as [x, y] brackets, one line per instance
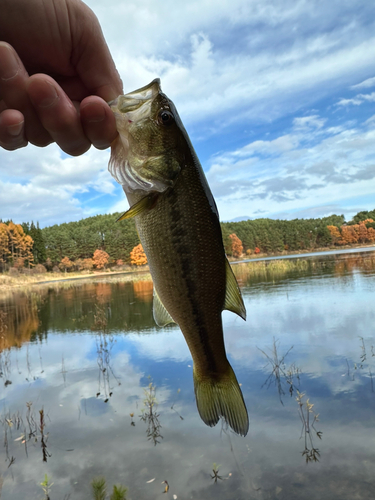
[275, 267]
[7, 281]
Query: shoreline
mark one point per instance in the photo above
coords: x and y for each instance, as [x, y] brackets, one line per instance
[9, 282]
[309, 253]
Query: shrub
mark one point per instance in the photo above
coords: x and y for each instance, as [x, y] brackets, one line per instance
[13, 271]
[39, 269]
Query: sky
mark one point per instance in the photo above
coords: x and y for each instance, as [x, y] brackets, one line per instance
[278, 97]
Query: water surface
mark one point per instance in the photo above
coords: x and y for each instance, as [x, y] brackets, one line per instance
[77, 360]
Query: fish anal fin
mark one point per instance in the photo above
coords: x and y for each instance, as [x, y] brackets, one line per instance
[146, 203]
[233, 297]
[161, 315]
[221, 397]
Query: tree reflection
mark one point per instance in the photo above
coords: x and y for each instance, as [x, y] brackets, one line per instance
[143, 290]
[19, 319]
[351, 263]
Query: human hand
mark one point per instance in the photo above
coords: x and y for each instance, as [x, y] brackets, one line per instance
[56, 74]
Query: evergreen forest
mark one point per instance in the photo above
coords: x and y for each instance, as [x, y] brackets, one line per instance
[100, 241]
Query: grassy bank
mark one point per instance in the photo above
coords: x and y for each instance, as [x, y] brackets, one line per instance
[286, 253]
[23, 279]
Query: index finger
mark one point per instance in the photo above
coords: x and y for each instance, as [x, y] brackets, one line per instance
[13, 79]
[93, 61]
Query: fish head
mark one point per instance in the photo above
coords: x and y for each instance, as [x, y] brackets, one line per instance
[148, 153]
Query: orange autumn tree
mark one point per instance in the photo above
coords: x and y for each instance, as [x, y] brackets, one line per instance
[15, 246]
[349, 235]
[362, 232]
[371, 234]
[138, 256]
[100, 259]
[88, 264]
[237, 248]
[335, 234]
[4, 244]
[354, 233]
[66, 264]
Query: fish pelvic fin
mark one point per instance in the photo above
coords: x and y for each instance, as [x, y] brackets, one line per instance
[233, 297]
[221, 397]
[161, 315]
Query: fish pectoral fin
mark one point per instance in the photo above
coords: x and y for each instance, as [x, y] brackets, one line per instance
[233, 297]
[146, 203]
[161, 315]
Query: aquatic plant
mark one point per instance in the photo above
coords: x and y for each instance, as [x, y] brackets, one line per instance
[150, 416]
[46, 486]
[308, 418]
[99, 490]
[280, 371]
[215, 470]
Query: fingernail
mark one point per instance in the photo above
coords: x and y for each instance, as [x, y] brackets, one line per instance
[93, 114]
[15, 130]
[43, 94]
[9, 67]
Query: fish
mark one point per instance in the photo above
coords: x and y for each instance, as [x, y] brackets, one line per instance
[178, 224]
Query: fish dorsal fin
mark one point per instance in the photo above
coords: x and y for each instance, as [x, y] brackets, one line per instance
[146, 203]
[233, 298]
[161, 315]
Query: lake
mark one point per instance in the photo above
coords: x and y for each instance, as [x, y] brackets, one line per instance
[90, 387]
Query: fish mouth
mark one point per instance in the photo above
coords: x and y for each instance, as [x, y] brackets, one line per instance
[137, 98]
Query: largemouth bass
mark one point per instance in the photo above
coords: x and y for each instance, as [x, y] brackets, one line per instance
[178, 224]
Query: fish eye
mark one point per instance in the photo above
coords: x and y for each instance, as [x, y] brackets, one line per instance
[166, 117]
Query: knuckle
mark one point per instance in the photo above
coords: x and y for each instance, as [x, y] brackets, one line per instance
[13, 145]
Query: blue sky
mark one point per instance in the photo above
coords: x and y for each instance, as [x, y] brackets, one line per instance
[278, 98]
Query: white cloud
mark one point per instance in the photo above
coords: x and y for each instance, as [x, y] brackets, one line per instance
[306, 122]
[44, 185]
[370, 82]
[232, 67]
[334, 165]
[357, 100]
[345, 102]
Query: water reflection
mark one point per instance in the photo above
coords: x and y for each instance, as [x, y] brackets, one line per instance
[308, 418]
[280, 373]
[83, 353]
[30, 431]
[150, 416]
[19, 319]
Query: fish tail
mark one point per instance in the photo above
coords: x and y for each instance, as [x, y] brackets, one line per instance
[221, 396]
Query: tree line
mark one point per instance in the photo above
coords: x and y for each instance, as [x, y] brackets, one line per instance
[274, 235]
[100, 241]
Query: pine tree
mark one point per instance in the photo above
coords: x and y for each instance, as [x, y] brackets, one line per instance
[39, 248]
